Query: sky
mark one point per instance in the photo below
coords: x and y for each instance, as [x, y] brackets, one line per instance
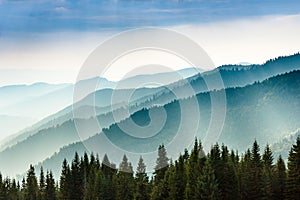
[49, 40]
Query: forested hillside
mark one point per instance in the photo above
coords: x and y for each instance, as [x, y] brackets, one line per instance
[267, 111]
[218, 174]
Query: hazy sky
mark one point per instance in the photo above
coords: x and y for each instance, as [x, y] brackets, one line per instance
[48, 40]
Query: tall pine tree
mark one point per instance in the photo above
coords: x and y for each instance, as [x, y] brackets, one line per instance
[293, 178]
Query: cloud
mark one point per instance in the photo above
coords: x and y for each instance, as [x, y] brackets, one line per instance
[252, 40]
[155, 10]
[61, 9]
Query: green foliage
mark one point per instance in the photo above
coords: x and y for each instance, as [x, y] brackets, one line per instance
[142, 186]
[218, 175]
[162, 163]
[279, 186]
[293, 178]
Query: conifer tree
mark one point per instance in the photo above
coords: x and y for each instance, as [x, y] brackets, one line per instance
[91, 192]
[268, 167]
[50, 190]
[142, 186]
[279, 180]
[162, 163]
[244, 175]
[256, 173]
[65, 181]
[125, 185]
[208, 185]
[177, 180]
[194, 168]
[13, 191]
[42, 185]
[293, 175]
[228, 184]
[77, 187]
[106, 180]
[31, 186]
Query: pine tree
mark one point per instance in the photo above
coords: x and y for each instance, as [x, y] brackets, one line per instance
[42, 185]
[192, 173]
[162, 163]
[142, 186]
[65, 181]
[244, 175]
[279, 180]
[31, 187]
[4, 189]
[77, 187]
[177, 180]
[125, 185]
[256, 173]
[268, 168]
[50, 190]
[208, 185]
[228, 184]
[293, 177]
[161, 188]
[106, 180]
[91, 179]
[14, 191]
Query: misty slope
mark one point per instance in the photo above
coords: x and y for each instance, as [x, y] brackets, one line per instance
[232, 76]
[16, 100]
[12, 94]
[103, 97]
[8, 125]
[283, 146]
[240, 75]
[266, 111]
[198, 83]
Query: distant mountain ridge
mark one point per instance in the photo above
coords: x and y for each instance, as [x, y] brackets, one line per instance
[261, 110]
[232, 78]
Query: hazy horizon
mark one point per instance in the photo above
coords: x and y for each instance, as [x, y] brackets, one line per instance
[49, 41]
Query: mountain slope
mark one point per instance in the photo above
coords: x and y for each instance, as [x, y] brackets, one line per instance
[266, 111]
[260, 105]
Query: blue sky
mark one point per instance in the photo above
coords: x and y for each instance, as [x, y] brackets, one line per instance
[27, 16]
[52, 38]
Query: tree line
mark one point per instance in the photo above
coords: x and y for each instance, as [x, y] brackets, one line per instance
[219, 174]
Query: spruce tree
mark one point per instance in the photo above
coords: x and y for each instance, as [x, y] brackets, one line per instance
[279, 180]
[193, 173]
[268, 167]
[177, 180]
[50, 190]
[293, 177]
[106, 180]
[208, 185]
[77, 187]
[14, 191]
[125, 180]
[65, 181]
[162, 163]
[31, 186]
[256, 174]
[91, 179]
[142, 189]
[42, 185]
[228, 184]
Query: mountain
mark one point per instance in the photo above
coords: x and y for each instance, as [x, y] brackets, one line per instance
[17, 101]
[157, 79]
[266, 111]
[155, 97]
[50, 101]
[8, 125]
[13, 94]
